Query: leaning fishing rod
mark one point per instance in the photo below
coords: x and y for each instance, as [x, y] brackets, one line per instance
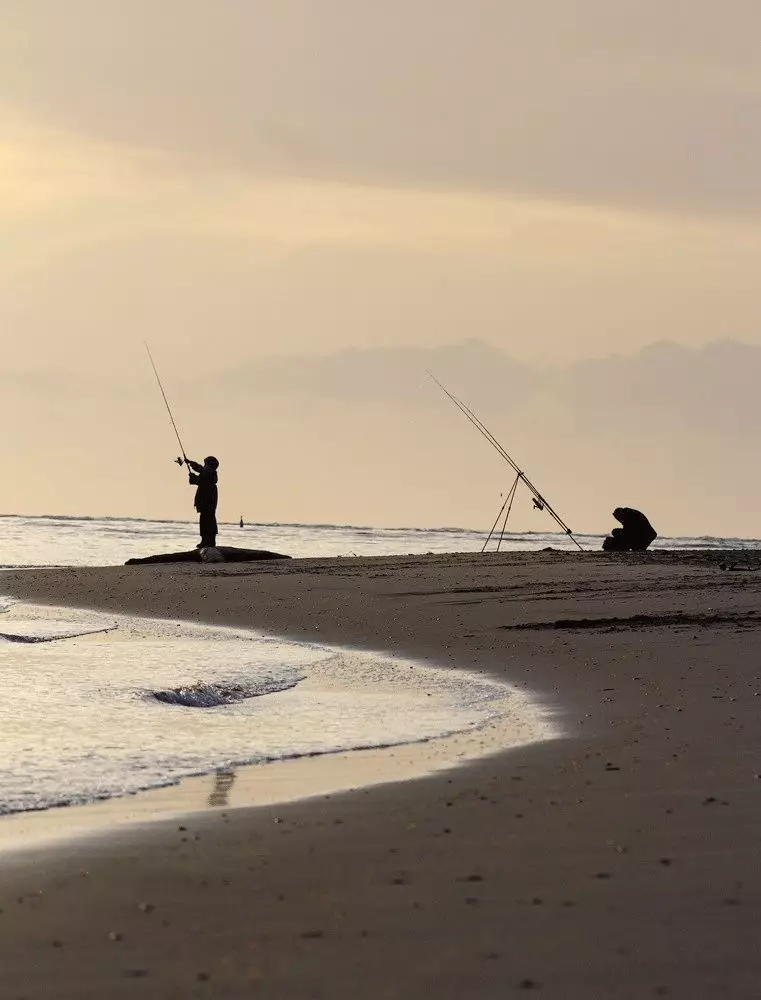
[538, 500]
[184, 459]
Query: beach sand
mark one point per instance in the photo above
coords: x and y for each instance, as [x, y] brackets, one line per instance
[620, 861]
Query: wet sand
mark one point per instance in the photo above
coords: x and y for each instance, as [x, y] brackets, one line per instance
[620, 861]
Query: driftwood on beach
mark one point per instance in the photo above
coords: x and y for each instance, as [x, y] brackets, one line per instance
[228, 553]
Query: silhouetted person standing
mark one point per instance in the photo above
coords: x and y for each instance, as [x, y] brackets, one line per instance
[635, 534]
[204, 478]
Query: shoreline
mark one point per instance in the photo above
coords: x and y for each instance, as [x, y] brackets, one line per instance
[246, 787]
[620, 862]
[517, 719]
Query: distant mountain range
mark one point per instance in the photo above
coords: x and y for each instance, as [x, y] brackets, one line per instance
[394, 375]
[714, 388]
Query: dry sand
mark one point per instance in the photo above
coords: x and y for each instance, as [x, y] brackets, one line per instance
[619, 862]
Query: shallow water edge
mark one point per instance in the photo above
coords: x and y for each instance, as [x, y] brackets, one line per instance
[514, 719]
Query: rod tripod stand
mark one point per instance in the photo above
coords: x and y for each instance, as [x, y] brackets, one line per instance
[508, 503]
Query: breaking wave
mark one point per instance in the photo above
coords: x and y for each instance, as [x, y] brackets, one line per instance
[214, 695]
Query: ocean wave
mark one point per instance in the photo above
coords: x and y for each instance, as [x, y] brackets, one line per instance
[217, 694]
[106, 519]
[318, 526]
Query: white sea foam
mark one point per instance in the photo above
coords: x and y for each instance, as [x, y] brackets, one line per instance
[100, 705]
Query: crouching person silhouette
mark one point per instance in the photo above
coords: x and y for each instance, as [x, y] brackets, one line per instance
[634, 535]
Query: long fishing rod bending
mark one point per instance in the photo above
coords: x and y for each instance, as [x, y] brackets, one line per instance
[168, 408]
[539, 501]
[484, 430]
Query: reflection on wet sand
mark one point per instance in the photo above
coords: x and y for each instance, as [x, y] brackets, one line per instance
[223, 782]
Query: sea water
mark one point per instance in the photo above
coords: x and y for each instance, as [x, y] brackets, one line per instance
[108, 541]
[97, 705]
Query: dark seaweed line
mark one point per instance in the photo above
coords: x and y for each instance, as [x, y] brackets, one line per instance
[641, 621]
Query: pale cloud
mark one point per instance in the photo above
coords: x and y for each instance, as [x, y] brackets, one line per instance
[637, 102]
[45, 171]
[42, 168]
[102, 243]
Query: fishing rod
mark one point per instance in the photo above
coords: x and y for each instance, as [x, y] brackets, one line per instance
[539, 502]
[184, 459]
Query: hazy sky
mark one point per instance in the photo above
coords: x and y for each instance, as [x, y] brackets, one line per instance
[234, 179]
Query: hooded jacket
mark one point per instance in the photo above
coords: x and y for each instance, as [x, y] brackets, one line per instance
[206, 493]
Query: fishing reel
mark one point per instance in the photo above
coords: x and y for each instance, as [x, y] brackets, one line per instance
[179, 461]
